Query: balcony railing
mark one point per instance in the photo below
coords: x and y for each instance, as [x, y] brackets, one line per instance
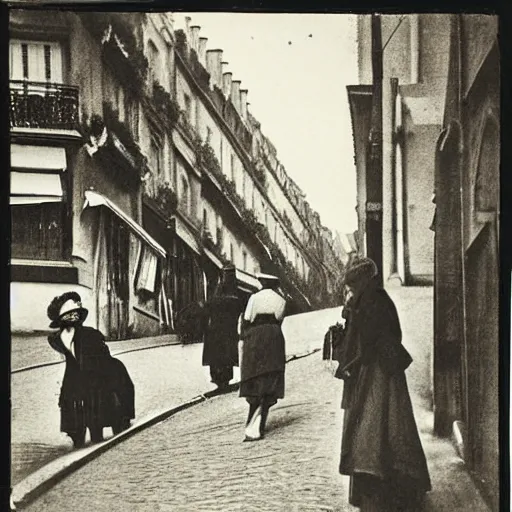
[43, 105]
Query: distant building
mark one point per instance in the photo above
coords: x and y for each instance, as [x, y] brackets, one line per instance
[137, 172]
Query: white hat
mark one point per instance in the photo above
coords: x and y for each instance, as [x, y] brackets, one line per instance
[266, 277]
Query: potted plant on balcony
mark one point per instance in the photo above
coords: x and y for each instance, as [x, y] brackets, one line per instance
[164, 102]
[166, 199]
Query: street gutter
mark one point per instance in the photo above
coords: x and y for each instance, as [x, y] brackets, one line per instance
[37, 483]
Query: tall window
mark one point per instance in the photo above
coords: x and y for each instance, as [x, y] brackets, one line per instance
[35, 61]
[232, 167]
[244, 255]
[153, 61]
[231, 253]
[188, 108]
[185, 195]
[155, 157]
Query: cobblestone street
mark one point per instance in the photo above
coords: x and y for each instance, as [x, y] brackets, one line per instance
[196, 460]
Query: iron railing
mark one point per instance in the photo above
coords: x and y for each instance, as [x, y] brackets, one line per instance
[43, 105]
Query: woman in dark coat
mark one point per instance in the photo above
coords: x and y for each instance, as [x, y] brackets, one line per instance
[96, 390]
[381, 448]
[221, 312]
[263, 356]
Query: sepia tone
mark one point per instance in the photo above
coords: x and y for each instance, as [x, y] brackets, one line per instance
[142, 180]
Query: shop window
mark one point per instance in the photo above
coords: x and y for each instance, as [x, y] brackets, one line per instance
[38, 231]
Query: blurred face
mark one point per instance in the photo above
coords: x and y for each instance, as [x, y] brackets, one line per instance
[70, 318]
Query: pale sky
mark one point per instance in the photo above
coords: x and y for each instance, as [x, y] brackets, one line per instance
[298, 93]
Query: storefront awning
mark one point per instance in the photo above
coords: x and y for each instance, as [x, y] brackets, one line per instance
[93, 199]
[248, 280]
[213, 258]
[35, 188]
[183, 232]
[38, 157]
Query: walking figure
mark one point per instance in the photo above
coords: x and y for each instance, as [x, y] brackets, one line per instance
[220, 317]
[263, 356]
[96, 390]
[381, 448]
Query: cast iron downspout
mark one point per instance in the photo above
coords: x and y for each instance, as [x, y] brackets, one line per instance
[374, 191]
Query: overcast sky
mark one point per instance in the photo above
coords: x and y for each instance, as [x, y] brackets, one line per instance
[296, 68]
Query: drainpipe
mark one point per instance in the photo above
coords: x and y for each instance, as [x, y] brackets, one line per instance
[415, 46]
[374, 170]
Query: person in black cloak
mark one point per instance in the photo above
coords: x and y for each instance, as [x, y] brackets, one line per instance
[381, 448]
[220, 317]
[263, 357]
[97, 390]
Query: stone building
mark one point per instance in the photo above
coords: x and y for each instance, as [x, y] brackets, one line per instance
[137, 172]
[441, 147]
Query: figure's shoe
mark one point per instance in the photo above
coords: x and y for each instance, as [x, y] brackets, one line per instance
[249, 439]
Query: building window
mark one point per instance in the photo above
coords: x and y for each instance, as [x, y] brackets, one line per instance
[38, 216]
[153, 61]
[132, 116]
[205, 218]
[155, 157]
[233, 167]
[185, 194]
[244, 255]
[209, 134]
[35, 61]
[231, 253]
[188, 107]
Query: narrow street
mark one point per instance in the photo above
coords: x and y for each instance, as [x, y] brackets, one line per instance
[196, 460]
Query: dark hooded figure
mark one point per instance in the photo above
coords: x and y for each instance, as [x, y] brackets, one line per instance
[263, 356]
[381, 448]
[96, 390]
[221, 312]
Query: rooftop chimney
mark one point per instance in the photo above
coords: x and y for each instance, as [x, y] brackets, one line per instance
[227, 79]
[243, 103]
[235, 94]
[194, 37]
[214, 67]
[188, 19]
[201, 50]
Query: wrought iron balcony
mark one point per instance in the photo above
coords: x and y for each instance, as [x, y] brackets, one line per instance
[43, 105]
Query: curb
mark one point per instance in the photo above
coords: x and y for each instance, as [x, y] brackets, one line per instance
[51, 363]
[37, 483]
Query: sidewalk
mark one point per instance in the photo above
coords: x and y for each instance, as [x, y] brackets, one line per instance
[32, 349]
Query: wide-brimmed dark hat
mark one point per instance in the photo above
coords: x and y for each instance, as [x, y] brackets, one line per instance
[362, 269]
[65, 303]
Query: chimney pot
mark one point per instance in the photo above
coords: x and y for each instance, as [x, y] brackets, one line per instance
[243, 103]
[235, 94]
[227, 79]
[194, 37]
[214, 67]
[201, 50]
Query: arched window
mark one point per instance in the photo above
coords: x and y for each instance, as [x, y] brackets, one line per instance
[487, 174]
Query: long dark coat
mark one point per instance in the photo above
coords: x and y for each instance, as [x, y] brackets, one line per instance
[221, 335]
[380, 436]
[96, 389]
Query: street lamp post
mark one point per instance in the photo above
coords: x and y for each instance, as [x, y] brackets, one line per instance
[374, 167]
